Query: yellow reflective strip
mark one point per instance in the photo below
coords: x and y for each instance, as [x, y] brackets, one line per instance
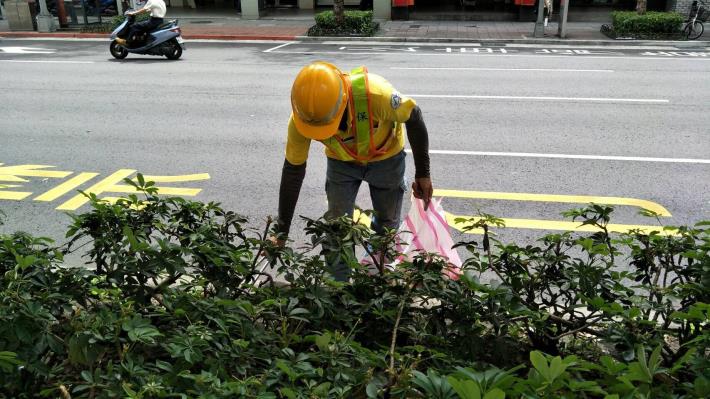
[66, 187]
[176, 179]
[572, 199]
[14, 195]
[541, 224]
[98, 188]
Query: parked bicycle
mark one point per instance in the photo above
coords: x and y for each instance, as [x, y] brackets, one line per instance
[694, 27]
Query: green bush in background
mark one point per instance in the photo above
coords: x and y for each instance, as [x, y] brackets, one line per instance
[651, 25]
[356, 23]
[108, 27]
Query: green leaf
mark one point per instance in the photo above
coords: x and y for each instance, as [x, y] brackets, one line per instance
[643, 364]
[371, 390]
[86, 375]
[556, 368]
[654, 361]
[322, 341]
[322, 389]
[288, 392]
[495, 393]
[140, 330]
[467, 389]
[540, 364]
[8, 361]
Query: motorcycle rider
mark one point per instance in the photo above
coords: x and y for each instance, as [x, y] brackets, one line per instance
[157, 11]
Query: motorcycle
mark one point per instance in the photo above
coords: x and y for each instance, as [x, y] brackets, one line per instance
[165, 40]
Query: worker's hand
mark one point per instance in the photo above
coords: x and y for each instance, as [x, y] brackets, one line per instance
[271, 246]
[277, 242]
[423, 190]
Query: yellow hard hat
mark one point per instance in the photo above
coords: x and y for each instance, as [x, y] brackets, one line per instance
[318, 99]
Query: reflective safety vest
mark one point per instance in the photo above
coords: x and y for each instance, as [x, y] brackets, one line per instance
[362, 125]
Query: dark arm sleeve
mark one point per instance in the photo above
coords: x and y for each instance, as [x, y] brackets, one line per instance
[291, 181]
[419, 141]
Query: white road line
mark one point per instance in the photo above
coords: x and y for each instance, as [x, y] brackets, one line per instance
[569, 156]
[501, 69]
[278, 47]
[584, 99]
[235, 42]
[26, 50]
[48, 61]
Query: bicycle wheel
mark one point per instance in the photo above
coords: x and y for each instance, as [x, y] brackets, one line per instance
[694, 31]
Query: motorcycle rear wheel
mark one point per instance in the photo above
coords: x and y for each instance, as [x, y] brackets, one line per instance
[173, 50]
[117, 51]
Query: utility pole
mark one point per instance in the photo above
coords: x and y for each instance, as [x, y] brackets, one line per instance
[540, 23]
[562, 25]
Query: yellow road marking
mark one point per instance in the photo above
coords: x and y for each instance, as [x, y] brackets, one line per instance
[176, 179]
[14, 195]
[98, 188]
[12, 178]
[571, 199]
[31, 171]
[66, 187]
[541, 224]
[191, 192]
[114, 200]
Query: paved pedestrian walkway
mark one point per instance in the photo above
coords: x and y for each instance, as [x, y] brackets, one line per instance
[484, 30]
[290, 24]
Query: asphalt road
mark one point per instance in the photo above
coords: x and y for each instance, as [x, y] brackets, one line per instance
[532, 131]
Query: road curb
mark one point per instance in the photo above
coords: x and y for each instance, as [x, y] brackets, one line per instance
[238, 37]
[388, 39]
[67, 35]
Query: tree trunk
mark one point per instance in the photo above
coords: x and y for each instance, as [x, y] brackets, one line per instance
[339, 11]
[641, 7]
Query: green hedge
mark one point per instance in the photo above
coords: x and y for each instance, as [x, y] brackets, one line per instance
[177, 305]
[651, 25]
[356, 23]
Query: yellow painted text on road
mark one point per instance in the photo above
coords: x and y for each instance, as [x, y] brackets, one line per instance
[17, 174]
[13, 172]
[13, 178]
[67, 186]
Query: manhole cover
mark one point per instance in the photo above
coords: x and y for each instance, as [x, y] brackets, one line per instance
[200, 22]
[471, 26]
[415, 26]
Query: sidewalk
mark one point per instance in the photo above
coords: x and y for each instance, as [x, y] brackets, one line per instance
[293, 25]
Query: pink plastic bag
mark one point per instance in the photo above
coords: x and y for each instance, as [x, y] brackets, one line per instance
[427, 232]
